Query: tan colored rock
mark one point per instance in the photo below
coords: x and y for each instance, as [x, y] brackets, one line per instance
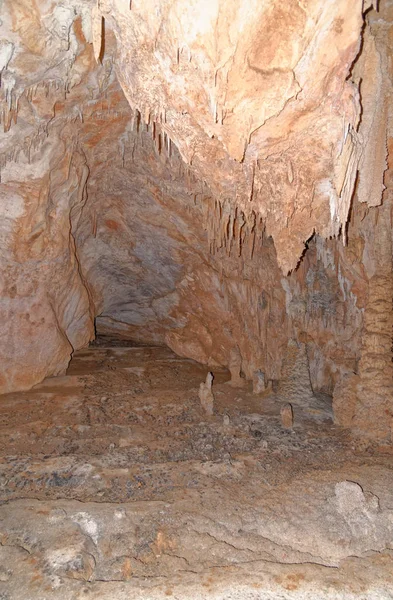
[221, 100]
[286, 413]
[206, 395]
[345, 400]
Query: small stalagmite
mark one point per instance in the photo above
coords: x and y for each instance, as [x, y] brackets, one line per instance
[206, 395]
[286, 414]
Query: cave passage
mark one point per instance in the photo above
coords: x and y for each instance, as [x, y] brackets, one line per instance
[196, 300]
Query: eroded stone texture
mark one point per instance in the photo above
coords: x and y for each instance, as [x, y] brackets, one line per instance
[45, 306]
[45, 310]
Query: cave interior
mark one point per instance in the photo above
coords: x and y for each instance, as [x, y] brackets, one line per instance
[196, 318]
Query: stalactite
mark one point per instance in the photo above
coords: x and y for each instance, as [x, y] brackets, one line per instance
[225, 219]
[242, 222]
[220, 119]
[231, 229]
[147, 115]
[168, 146]
[251, 196]
[94, 225]
[252, 234]
[97, 31]
[346, 177]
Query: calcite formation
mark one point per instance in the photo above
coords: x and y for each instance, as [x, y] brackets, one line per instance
[210, 175]
[206, 395]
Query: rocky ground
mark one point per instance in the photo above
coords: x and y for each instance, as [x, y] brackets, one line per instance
[116, 485]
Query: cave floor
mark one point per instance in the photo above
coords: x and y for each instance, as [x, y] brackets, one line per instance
[115, 485]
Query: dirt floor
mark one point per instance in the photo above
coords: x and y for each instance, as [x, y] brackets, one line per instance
[115, 485]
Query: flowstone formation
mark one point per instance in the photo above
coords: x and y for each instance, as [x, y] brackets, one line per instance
[211, 175]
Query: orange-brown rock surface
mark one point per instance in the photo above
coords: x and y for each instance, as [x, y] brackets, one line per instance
[210, 175]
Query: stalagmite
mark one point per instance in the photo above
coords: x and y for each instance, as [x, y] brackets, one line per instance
[206, 395]
[286, 414]
[295, 386]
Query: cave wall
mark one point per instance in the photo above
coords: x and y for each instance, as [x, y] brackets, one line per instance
[144, 248]
[221, 185]
[45, 307]
[45, 310]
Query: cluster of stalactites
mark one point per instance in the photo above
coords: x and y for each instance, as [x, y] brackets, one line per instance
[162, 142]
[10, 100]
[232, 230]
[22, 148]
